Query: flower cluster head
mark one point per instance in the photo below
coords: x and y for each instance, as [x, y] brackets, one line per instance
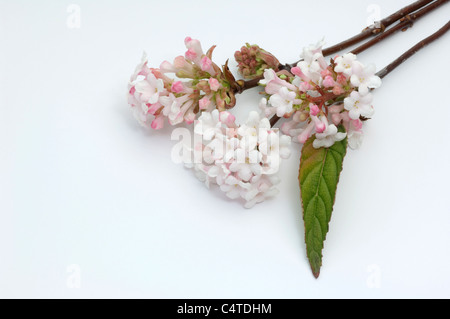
[243, 160]
[252, 61]
[319, 97]
[199, 85]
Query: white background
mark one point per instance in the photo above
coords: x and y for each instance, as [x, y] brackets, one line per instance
[81, 183]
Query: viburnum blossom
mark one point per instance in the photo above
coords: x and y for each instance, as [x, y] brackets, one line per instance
[242, 160]
[200, 85]
[328, 137]
[318, 98]
[283, 101]
[364, 78]
[344, 64]
[358, 105]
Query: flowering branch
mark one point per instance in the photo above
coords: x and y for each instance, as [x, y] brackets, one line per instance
[406, 16]
[320, 168]
[325, 104]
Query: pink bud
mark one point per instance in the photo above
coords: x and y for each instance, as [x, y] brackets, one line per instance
[204, 103]
[336, 118]
[341, 79]
[194, 48]
[328, 81]
[158, 122]
[303, 137]
[306, 133]
[314, 110]
[167, 67]
[153, 108]
[325, 73]
[214, 84]
[305, 86]
[337, 108]
[157, 73]
[189, 117]
[206, 63]
[320, 125]
[179, 62]
[338, 90]
[177, 87]
[190, 54]
[298, 72]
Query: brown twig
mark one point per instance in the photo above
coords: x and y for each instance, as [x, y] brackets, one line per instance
[245, 85]
[405, 22]
[274, 119]
[385, 71]
[378, 27]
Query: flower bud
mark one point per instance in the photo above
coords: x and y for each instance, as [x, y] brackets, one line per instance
[252, 61]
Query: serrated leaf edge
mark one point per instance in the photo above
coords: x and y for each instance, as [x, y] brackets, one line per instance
[316, 273]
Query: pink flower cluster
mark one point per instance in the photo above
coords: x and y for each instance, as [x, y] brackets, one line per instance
[318, 97]
[199, 85]
[243, 160]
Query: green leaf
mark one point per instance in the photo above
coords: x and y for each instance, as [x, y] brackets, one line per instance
[318, 177]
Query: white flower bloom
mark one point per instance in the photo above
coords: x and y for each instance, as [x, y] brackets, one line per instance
[355, 139]
[267, 109]
[247, 164]
[272, 144]
[208, 125]
[358, 104]
[150, 88]
[311, 69]
[282, 101]
[226, 147]
[233, 187]
[284, 147]
[234, 159]
[140, 68]
[248, 132]
[140, 113]
[310, 52]
[329, 137]
[269, 75]
[262, 188]
[363, 77]
[344, 64]
[313, 61]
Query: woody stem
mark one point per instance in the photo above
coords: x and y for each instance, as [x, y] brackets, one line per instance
[406, 16]
[420, 45]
